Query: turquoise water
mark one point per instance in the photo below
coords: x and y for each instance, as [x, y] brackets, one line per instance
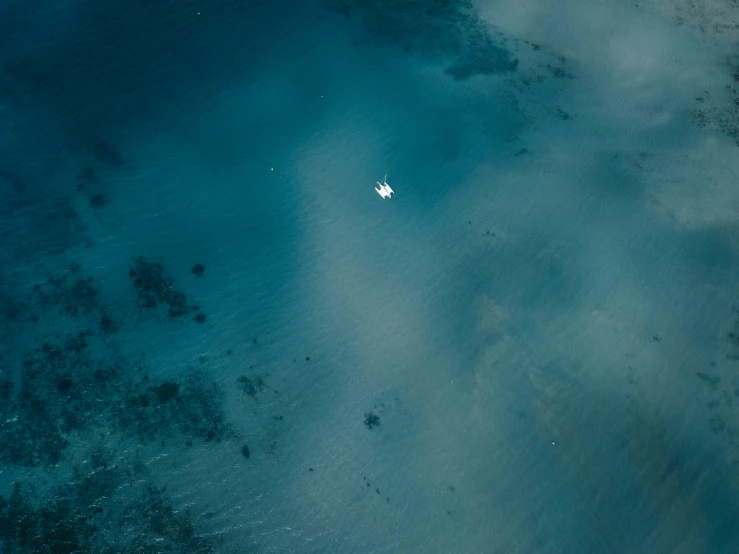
[216, 337]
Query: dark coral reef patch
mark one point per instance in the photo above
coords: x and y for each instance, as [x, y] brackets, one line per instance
[440, 30]
[63, 389]
[105, 508]
[155, 288]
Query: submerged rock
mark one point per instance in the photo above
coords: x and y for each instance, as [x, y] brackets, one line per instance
[371, 420]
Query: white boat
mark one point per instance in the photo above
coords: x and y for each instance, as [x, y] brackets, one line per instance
[385, 191]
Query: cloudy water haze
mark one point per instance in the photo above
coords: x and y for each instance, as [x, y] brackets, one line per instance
[216, 337]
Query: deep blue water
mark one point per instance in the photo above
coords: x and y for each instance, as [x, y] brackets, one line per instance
[216, 337]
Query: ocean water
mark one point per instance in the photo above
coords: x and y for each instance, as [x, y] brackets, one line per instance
[216, 337]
